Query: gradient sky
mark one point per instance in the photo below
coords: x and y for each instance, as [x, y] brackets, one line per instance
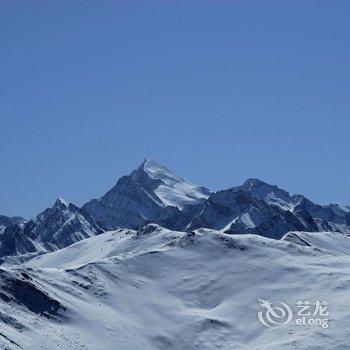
[218, 91]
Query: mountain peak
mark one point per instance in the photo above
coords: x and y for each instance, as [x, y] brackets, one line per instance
[340, 207]
[172, 189]
[147, 160]
[143, 195]
[249, 183]
[269, 193]
[156, 170]
[61, 203]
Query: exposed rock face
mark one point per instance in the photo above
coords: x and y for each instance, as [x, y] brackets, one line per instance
[142, 196]
[153, 194]
[237, 211]
[54, 228]
[7, 221]
[14, 242]
[21, 289]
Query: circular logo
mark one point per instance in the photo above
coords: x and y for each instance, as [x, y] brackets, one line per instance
[274, 315]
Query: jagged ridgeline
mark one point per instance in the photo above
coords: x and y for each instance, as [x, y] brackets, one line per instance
[153, 194]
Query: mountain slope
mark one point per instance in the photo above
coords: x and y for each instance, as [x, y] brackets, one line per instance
[55, 228]
[332, 213]
[158, 289]
[7, 221]
[236, 211]
[271, 194]
[142, 196]
[332, 217]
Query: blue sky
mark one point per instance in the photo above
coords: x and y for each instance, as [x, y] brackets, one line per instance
[219, 91]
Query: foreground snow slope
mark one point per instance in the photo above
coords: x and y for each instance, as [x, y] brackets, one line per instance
[159, 289]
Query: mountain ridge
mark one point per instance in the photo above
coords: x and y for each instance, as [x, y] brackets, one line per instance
[153, 194]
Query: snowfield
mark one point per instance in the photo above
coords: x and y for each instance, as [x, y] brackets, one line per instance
[173, 190]
[161, 289]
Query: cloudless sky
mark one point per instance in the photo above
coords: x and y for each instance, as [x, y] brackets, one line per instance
[218, 91]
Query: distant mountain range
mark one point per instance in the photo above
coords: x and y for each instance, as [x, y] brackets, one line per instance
[153, 194]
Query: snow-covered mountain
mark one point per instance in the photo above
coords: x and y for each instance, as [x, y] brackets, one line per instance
[160, 289]
[271, 194]
[337, 216]
[237, 211]
[57, 227]
[142, 196]
[153, 194]
[7, 221]
[182, 268]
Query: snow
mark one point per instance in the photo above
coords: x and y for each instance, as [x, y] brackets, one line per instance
[345, 207]
[269, 193]
[174, 191]
[247, 220]
[161, 289]
[62, 201]
[340, 209]
[329, 241]
[56, 227]
[142, 196]
[153, 288]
